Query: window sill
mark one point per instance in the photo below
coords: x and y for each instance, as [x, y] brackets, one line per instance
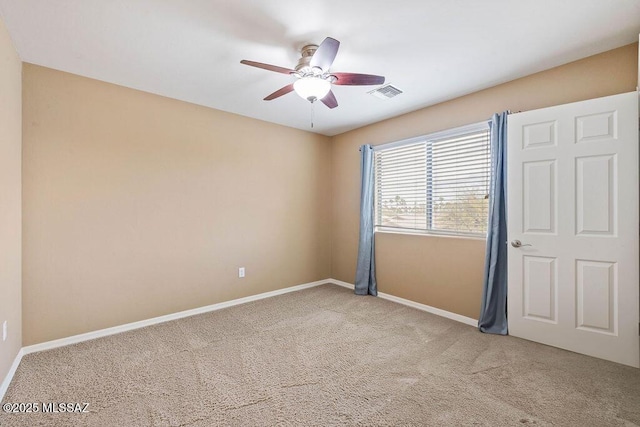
[383, 230]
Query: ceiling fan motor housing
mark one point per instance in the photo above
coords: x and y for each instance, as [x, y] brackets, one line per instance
[303, 67]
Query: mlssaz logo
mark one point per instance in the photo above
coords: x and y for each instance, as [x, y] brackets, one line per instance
[65, 407]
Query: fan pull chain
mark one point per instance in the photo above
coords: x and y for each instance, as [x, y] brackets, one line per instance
[312, 110]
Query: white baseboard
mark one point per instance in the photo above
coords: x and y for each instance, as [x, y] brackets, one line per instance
[341, 283]
[48, 345]
[12, 370]
[433, 310]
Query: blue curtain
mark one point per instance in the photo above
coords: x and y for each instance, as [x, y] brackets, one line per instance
[366, 268]
[493, 313]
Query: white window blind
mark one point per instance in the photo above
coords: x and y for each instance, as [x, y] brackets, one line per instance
[439, 184]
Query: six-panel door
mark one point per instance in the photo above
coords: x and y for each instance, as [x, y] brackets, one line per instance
[573, 196]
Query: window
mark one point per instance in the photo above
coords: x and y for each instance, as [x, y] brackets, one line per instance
[438, 183]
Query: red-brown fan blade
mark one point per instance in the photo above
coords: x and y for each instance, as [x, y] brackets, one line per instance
[325, 54]
[357, 79]
[282, 91]
[267, 67]
[330, 100]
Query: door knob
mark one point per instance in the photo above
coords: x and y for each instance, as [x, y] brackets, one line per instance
[518, 244]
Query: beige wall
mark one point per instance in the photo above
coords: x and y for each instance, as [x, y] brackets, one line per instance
[137, 205]
[10, 204]
[439, 271]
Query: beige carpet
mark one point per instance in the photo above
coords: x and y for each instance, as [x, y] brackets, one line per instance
[322, 357]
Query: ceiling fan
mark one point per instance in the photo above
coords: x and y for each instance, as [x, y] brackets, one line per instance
[314, 79]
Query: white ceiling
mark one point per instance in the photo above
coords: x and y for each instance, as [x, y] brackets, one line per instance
[434, 50]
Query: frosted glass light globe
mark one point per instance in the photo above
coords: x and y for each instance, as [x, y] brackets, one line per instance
[312, 88]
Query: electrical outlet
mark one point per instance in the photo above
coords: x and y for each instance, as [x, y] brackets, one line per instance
[4, 330]
[241, 272]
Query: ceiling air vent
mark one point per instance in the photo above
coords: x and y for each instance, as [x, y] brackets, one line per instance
[385, 92]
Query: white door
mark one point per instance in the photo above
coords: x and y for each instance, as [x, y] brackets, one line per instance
[573, 204]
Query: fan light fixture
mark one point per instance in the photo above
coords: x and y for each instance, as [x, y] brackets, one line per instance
[312, 88]
[314, 80]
